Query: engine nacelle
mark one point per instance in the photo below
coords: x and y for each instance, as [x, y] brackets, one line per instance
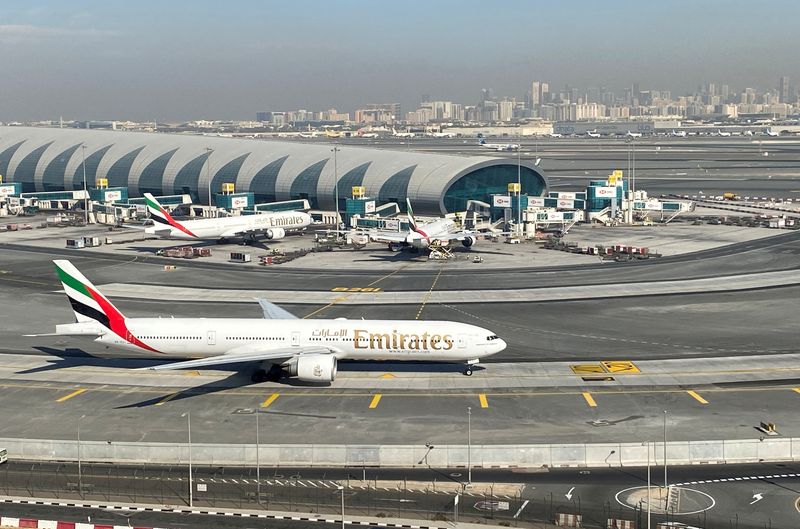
[469, 241]
[314, 368]
[275, 233]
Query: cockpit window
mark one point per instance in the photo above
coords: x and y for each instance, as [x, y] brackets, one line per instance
[492, 337]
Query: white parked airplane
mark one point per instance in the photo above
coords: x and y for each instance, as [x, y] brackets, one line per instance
[678, 133]
[271, 225]
[593, 133]
[556, 135]
[770, 132]
[722, 133]
[282, 343]
[440, 232]
[498, 146]
[434, 134]
[407, 134]
[634, 135]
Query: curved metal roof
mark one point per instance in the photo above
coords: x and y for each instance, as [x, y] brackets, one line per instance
[184, 161]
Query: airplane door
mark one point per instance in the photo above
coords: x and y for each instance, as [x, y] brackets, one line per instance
[212, 337]
[462, 341]
[295, 339]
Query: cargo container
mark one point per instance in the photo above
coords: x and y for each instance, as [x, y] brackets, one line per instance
[75, 243]
[240, 257]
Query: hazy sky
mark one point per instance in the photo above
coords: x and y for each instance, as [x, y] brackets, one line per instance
[176, 60]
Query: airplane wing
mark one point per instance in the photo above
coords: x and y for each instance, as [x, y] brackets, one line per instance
[244, 354]
[274, 312]
[387, 236]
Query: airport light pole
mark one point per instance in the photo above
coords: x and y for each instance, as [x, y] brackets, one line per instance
[188, 416]
[85, 191]
[648, 485]
[469, 445]
[335, 150]
[666, 486]
[208, 177]
[341, 488]
[519, 190]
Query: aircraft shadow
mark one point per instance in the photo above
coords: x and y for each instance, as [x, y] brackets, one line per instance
[232, 381]
[66, 358]
[404, 367]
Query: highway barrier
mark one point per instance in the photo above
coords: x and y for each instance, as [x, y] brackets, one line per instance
[440, 456]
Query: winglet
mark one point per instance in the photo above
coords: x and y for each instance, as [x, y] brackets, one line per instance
[273, 312]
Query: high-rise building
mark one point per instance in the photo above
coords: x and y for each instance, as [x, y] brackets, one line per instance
[505, 110]
[536, 93]
[783, 89]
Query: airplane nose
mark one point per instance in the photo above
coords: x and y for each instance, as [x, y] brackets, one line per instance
[501, 345]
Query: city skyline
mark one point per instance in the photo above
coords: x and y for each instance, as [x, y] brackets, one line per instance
[90, 60]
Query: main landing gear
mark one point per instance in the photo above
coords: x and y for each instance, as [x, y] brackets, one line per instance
[274, 374]
[468, 371]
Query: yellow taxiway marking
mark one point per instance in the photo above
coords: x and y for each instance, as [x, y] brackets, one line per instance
[345, 297]
[620, 367]
[697, 397]
[429, 293]
[375, 400]
[356, 289]
[589, 399]
[796, 390]
[387, 375]
[167, 398]
[483, 401]
[269, 400]
[587, 369]
[73, 394]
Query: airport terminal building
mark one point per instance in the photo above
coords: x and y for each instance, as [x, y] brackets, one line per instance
[52, 159]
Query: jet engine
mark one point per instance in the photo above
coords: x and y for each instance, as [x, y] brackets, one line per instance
[275, 233]
[314, 368]
[469, 241]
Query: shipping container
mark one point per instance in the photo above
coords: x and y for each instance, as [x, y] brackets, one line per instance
[75, 243]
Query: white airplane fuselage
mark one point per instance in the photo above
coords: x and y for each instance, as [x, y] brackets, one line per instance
[399, 340]
[217, 228]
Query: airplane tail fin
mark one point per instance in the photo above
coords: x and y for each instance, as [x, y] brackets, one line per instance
[87, 302]
[160, 215]
[411, 221]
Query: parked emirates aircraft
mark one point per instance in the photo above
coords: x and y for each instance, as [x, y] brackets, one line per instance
[678, 133]
[439, 232]
[497, 146]
[271, 225]
[280, 342]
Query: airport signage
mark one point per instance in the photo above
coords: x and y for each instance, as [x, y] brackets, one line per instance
[551, 216]
[650, 205]
[501, 201]
[7, 190]
[113, 196]
[369, 207]
[392, 224]
[566, 204]
[605, 192]
[535, 202]
[239, 202]
[566, 196]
